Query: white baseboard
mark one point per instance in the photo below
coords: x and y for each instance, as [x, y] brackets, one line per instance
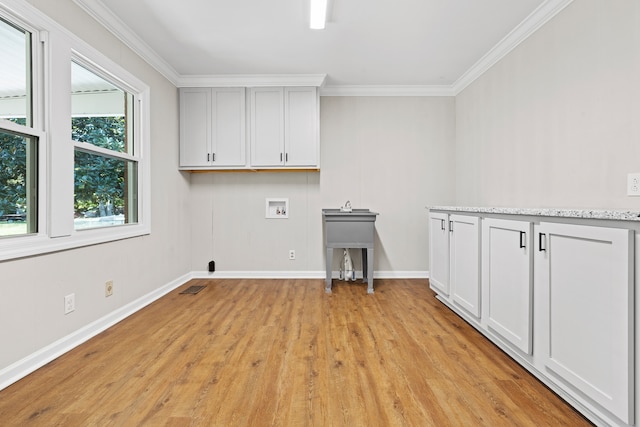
[27, 365]
[303, 275]
[39, 358]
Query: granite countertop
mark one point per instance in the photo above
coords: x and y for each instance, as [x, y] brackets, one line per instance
[622, 215]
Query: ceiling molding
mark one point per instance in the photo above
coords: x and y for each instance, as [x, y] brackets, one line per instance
[372, 90]
[249, 80]
[111, 22]
[526, 28]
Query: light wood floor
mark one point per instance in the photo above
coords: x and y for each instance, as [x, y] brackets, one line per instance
[284, 353]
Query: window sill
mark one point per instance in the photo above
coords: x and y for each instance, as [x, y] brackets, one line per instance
[16, 247]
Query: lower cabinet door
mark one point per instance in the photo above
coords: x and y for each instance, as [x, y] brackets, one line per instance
[508, 280]
[465, 262]
[439, 252]
[586, 277]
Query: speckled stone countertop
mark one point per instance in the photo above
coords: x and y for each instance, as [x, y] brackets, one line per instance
[620, 215]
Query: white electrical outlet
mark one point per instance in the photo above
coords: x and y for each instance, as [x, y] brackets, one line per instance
[108, 288]
[69, 303]
[292, 254]
[633, 184]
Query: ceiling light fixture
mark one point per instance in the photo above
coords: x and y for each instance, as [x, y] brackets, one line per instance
[318, 16]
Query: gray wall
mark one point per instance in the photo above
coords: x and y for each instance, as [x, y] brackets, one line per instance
[392, 155]
[556, 123]
[32, 289]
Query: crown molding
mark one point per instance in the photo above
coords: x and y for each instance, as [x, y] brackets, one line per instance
[111, 22]
[249, 80]
[384, 90]
[526, 28]
[545, 12]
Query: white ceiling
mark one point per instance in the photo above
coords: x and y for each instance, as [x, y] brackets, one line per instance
[414, 43]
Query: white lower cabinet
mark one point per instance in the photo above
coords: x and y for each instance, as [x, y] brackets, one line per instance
[586, 278]
[557, 295]
[439, 252]
[507, 280]
[465, 262]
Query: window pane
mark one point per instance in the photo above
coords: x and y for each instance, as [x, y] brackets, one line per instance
[15, 73]
[106, 191]
[101, 112]
[18, 184]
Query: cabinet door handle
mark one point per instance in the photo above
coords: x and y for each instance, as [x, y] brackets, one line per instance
[280, 156]
[442, 224]
[450, 226]
[286, 157]
[213, 157]
[540, 248]
[208, 157]
[523, 240]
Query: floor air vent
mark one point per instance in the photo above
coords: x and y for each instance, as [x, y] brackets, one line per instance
[193, 290]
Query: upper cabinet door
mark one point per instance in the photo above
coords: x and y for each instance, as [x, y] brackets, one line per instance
[228, 127]
[267, 126]
[301, 131]
[195, 125]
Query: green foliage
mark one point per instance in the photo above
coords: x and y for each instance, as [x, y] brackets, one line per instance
[99, 180]
[13, 169]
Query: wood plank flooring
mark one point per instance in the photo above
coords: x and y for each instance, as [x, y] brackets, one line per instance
[284, 353]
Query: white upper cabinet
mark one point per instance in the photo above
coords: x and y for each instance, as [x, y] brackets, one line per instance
[212, 128]
[267, 126]
[301, 126]
[284, 127]
[195, 127]
[228, 127]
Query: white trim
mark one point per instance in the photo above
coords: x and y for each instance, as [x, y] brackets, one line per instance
[251, 80]
[111, 22]
[23, 367]
[545, 12]
[526, 28]
[371, 90]
[303, 275]
[41, 357]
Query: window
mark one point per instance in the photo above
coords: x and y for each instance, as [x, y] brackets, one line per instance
[74, 140]
[18, 140]
[105, 160]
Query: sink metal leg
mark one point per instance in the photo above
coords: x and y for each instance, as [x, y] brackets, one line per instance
[364, 264]
[369, 258]
[327, 287]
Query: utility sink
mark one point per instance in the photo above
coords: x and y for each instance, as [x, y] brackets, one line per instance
[342, 212]
[350, 230]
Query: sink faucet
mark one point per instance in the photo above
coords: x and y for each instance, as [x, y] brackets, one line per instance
[346, 207]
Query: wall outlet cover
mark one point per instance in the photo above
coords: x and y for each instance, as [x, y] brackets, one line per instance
[633, 184]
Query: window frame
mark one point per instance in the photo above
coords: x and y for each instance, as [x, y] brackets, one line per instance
[134, 132]
[53, 48]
